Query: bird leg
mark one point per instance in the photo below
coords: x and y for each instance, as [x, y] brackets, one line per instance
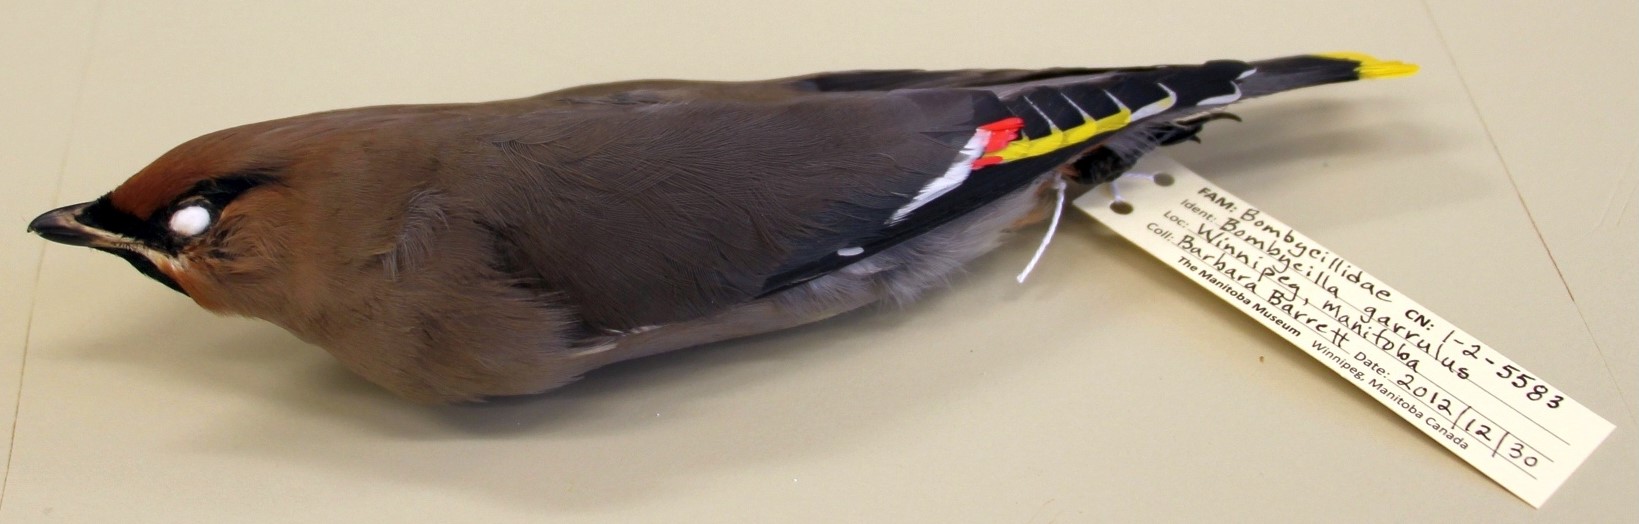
[1188, 128]
[1102, 164]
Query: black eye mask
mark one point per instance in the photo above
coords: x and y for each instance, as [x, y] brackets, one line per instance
[214, 195]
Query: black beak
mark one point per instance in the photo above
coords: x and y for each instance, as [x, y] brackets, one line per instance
[62, 226]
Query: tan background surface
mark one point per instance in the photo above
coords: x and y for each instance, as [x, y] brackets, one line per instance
[1497, 188]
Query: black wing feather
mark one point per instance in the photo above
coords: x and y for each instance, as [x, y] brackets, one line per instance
[1042, 109]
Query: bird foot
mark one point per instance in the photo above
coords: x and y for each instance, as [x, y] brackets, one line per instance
[1189, 128]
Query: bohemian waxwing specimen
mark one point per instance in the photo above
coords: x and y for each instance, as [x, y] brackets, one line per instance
[460, 251]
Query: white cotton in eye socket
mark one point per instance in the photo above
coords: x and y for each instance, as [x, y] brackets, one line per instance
[190, 221]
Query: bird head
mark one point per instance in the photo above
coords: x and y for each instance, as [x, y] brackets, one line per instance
[258, 220]
[327, 225]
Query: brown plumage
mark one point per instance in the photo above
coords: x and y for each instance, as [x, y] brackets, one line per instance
[460, 251]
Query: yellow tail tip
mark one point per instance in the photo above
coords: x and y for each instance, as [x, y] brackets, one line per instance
[1371, 67]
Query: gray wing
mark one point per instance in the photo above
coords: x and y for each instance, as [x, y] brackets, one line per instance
[654, 213]
[667, 201]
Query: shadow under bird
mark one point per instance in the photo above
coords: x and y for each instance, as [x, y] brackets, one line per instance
[455, 252]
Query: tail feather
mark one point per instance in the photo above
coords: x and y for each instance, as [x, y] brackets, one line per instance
[1284, 74]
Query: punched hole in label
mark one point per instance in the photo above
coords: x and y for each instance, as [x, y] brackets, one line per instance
[1117, 204]
[1160, 178]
